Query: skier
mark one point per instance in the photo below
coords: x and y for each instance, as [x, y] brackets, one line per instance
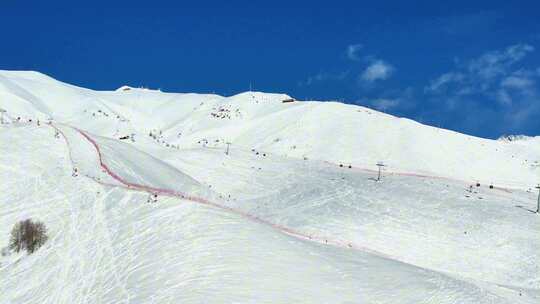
[152, 198]
[75, 172]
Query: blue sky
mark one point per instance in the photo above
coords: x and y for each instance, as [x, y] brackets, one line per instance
[469, 66]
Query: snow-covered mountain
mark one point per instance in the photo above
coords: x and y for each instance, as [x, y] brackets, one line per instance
[292, 213]
[330, 131]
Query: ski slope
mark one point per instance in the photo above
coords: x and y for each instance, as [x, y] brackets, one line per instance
[265, 223]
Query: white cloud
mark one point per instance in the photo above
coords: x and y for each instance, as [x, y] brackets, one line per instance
[352, 51]
[384, 104]
[323, 76]
[484, 74]
[496, 63]
[495, 86]
[459, 24]
[516, 82]
[444, 79]
[503, 97]
[378, 70]
[393, 99]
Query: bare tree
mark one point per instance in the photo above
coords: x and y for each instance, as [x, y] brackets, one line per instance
[28, 235]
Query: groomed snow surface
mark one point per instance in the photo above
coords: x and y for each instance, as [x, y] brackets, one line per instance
[277, 220]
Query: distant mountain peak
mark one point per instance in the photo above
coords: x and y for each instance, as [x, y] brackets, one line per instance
[125, 88]
[514, 137]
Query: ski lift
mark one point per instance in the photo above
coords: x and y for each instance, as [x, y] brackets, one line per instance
[380, 165]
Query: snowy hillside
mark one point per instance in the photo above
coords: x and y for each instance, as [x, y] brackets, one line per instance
[157, 212]
[330, 131]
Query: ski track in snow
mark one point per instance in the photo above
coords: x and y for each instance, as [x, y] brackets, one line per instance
[171, 193]
[286, 230]
[99, 223]
[507, 190]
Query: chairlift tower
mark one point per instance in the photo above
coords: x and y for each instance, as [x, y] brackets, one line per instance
[538, 203]
[228, 145]
[380, 165]
[2, 111]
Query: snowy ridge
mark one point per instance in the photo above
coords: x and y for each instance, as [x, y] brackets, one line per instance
[329, 131]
